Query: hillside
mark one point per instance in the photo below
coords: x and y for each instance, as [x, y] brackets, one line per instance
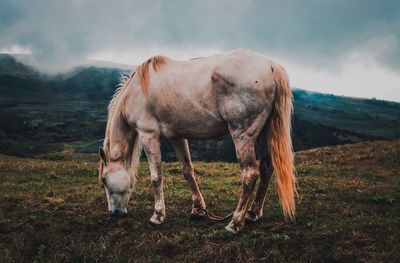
[347, 210]
[53, 116]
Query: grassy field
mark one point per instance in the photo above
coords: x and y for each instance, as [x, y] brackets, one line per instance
[348, 210]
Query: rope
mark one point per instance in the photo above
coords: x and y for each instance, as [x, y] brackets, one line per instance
[216, 218]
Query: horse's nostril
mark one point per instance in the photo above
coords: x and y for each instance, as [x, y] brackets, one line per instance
[119, 213]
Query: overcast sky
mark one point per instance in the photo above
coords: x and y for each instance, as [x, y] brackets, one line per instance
[342, 47]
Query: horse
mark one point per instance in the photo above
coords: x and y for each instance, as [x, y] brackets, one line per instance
[240, 92]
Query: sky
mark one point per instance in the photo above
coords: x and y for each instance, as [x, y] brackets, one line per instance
[349, 48]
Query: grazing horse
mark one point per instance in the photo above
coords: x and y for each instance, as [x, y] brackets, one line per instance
[240, 92]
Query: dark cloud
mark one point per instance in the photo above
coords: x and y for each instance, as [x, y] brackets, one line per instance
[70, 30]
[316, 33]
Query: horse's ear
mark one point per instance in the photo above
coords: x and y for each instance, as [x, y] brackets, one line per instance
[102, 155]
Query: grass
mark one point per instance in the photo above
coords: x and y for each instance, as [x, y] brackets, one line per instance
[348, 210]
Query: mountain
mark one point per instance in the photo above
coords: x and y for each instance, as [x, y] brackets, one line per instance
[52, 116]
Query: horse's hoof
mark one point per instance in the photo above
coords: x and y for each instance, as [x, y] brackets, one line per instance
[157, 219]
[197, 215]
[252, 217]
[233, 227]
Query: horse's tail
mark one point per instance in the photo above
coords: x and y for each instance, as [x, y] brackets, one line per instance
[280, 142]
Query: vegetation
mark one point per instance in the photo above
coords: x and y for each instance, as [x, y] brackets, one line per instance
[347, 211]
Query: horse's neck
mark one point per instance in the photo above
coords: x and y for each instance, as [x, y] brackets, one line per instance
[119, 138]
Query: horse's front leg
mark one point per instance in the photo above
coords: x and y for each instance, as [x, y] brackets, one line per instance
[182, 151]
[151, 146]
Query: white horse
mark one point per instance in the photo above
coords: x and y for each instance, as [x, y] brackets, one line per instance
[240, 92]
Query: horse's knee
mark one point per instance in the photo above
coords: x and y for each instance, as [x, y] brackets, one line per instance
[250, 177]
[188, 171]
[156, 181]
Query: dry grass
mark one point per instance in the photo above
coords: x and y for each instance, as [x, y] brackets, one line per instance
[348, 210]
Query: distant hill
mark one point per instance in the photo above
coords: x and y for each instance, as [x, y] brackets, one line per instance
[50, 116]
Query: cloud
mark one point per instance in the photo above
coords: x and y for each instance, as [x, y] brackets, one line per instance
[360, 72]
[16, 49]
[316, 37]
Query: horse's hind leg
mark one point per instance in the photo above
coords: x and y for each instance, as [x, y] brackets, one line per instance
[182, 151]
[151, 146]
[265, 168]
[244, 143]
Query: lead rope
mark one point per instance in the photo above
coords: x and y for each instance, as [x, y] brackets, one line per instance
[216, 218]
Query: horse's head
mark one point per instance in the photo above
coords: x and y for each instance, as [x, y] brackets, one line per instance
[117, 183]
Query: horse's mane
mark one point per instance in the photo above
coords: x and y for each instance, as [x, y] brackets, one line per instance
[122, 85]
[143, 71]
[143, 74]
[124, 79]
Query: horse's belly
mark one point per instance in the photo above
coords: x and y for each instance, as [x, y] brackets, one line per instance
[188, 111]
[194, 128]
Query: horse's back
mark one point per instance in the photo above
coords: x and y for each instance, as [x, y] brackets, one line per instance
[243, 63]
